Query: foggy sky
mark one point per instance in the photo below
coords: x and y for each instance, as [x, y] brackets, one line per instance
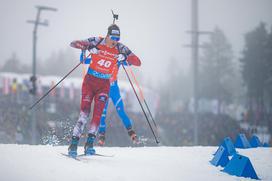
[155, 30]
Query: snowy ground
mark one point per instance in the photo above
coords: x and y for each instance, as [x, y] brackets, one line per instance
[45, 163]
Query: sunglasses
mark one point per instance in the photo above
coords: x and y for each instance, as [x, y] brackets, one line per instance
[114, 38]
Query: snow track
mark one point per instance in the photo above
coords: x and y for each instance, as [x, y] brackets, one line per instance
[45, 163]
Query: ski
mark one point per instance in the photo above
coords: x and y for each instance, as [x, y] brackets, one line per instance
[96, 154]
[83, 155]
[75, 158]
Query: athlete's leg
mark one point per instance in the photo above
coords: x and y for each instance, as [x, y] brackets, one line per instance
[119, 105]
[86, 101]
[85, 107]
[100, 100]
[126, 121]
[102, 126]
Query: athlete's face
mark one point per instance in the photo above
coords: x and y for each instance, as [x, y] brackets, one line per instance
[112, 40]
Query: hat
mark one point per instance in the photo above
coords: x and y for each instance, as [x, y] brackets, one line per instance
[114, 30]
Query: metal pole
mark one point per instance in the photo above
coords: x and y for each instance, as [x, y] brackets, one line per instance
[142, 96]
[34, 52]
[33, 77]
[156, 139]
[195, 65]
[195, 48]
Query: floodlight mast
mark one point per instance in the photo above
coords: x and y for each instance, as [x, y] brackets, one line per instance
[33, 78]
[36, 23]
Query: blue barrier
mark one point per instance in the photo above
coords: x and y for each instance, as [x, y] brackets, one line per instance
[240, 166]
[241, 141]
[228, 145]
[255, 142]
[220, 158]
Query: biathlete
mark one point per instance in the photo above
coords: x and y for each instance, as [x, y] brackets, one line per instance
[116, 98]
[105, 54]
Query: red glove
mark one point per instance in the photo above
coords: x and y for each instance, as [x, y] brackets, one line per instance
[134, 60]
[83, 45]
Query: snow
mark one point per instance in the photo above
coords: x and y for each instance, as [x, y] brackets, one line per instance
[45, 163]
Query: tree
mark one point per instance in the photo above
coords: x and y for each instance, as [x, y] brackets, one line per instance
[217, 69]
[255, 69]
[176, 91]
[60, 63]
[268, 64]
[13, 64]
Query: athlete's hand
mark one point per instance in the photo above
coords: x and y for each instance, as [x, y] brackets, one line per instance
[93, 50]
[121, 57]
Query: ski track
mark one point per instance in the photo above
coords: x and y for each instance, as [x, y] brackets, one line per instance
[45, 163]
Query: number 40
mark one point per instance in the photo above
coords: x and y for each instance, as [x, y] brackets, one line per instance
[104, 63]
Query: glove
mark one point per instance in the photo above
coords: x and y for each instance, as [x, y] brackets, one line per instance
[79, 44]
[93, 50]
[121, 57]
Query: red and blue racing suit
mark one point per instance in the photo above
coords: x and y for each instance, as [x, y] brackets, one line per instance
[96, 83]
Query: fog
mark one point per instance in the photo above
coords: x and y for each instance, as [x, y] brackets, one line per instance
[231, 92]
[155, 30]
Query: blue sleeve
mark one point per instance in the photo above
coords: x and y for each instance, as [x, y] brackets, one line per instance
[87, 61]
[125, 63]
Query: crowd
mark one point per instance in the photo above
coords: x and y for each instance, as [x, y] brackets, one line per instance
[179, 128]
[55, 118]
[56, 115]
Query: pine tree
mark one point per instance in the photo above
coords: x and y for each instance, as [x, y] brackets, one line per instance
[268, 64]
[60, 63]
[13, 64]
[176, 90]
[217, 69]
[255, 69]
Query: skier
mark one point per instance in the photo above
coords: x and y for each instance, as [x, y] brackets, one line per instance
[105, 54]
[119, 106]
[116, 98]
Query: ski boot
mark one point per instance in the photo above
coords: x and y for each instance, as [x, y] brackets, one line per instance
[72, 150]
[89, 150]
[101, 139]
[133, 136]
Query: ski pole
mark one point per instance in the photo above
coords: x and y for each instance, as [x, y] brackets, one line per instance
[33, 105]
[142, 96]
[140, 104]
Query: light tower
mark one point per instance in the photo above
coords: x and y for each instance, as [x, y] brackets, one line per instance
[33, 78]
